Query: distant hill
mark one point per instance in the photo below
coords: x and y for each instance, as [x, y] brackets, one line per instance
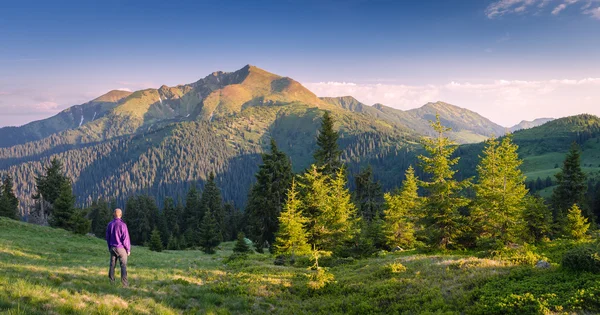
[543, 148]
[526, 124]
[467, 126]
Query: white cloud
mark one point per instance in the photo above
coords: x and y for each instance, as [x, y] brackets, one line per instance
[125, 89]
[504, 101]
[504, 7]
[559, 8]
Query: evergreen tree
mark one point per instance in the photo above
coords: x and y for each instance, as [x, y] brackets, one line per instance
[210, 235]
[499, 193]
[240, 244]
[443, 221]
[211, 201]
[576, 225]
[65, 215]
[156, 243]
[171, 216]
[292, 237]
[314, 191]
[100, 213]
[401, 211]
[192, 216]
[571, 187]
[9, 204]
[267, 195]
[368, 195]
[172, 244]
[538, 219]
[49, 186]
[233, 221]
[327, 156]
[338, 221]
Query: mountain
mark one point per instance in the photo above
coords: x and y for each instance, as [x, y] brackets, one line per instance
[526, 124]
[467, 126]
[71, 118]
[162, 141]
[543, 148]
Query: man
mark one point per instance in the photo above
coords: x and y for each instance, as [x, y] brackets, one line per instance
[117, 238]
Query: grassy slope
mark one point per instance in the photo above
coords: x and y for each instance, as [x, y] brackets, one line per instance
[49, 271]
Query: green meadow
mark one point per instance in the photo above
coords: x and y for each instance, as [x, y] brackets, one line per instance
[51, 271]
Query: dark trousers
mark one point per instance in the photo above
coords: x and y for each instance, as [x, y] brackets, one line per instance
[121, 255]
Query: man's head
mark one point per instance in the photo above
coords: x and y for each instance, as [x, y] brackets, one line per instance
[118, 213]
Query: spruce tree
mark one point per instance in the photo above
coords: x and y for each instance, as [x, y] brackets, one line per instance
[571, 187]
[240, 245]
[443, 221]
[65, 215]
[171, 217]
[537, 218]
[401, 211]
[156, 243]
[314, 191]
[9, 204]
[292, 237]
[192, 216]
[100, 213]
[328, 155]
[338, 221]
[211, 201]
[210, 235]
[267, 195]
[576, 225]
[50, 184]
[368, 195]
[497, 213]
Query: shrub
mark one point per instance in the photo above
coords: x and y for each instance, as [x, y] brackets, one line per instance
[583, 258]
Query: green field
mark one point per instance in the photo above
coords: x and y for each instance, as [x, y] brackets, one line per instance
[48, 271]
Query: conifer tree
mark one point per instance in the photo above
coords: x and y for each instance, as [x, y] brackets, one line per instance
[576, 225]
[65, 215]
[100, 213]
[49, 185]
[172, 244]
[338, 221]
[192, 216]
[401, 212]
[240, 245]
[327, 156]
[537, 218]
[292, 238]
[9, 204]
[234, 221]
[443, 220]
[314, 191]
[210, 235]
[571, 187]
[211, 201]
[267, 195]
[497, 213]
[368, 195]
[156, 243]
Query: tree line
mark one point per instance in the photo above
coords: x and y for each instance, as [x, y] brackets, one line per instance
[314, 211]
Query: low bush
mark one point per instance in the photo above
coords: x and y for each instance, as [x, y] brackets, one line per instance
[583, 258]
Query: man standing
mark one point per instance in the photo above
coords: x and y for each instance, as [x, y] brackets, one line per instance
[117, 238]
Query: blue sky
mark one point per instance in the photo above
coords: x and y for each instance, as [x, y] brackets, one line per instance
[541, 57]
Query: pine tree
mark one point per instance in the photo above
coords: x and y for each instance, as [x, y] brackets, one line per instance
[240, 244]
[267, 195]
[210, 235]
[368, 195]
[100, 213]
[576, 225]
[292, 238]
[537, 218]
[64, 208]
[443, 220]
[211, 201]
[49, 185]
[314, 196]
[497, 213]
[192, 216]
[172, 244]
[9, 204]
[338, 221]
[571, 187]
[65, 215]
[401, 212]
[327, 156]
[171, 217]
[156, 243]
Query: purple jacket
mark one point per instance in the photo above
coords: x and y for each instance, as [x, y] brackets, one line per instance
[117, 235]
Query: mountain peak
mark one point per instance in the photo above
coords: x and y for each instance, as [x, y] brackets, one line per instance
[112, 96]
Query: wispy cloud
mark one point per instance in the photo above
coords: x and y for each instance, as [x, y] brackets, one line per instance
[505, 7]
[498, 100]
